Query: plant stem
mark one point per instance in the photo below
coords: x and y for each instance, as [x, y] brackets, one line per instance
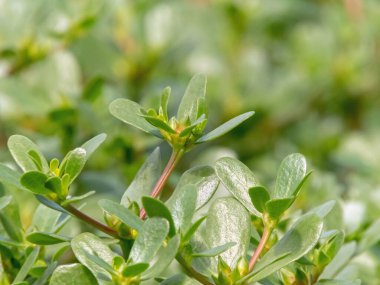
[191, 272]
[264, 238]
[82, 216]
[173, 161]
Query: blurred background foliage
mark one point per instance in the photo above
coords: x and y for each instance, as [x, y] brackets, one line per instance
[310, 69]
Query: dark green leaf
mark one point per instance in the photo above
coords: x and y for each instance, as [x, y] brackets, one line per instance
[35, 181]
[214, 251]
[135, 269]
[237, 178]
[276, 207]
[158, 123]
[51, 204]
[27, 266]
[93, 89]
[42, 238]
[73, 274]
[155, 208]
[54, 184]
[259, 196]
[225, 128]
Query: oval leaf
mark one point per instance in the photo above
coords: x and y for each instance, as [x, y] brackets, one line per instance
[74, 163]
[74, 274]
[35, 181]
[259, 196]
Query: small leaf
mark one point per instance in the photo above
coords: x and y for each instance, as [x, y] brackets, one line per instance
[135, 269]
[158, 123]
[214, 251]
[164, 256]
[42, 238]
[74, 162]
[35, 181]
[129, 112]
[20, 147]
[225, 128]
[201, 120]
[238, 179]
[149, 240]
[155, 208]
[259, 196]
[187, 236]
[77, 198]
[164, 102]
[290, 174]
[73, 274]
[124, 214]
[50, 204]
[228, 221]
[144, 180]
[36, 159]
[54, 184]
[92, 144]
[189, 103]
[276, 207]
[27, 266]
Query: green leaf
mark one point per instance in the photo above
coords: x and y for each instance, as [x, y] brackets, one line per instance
[164, 102]
[182, 207]
[73, 163]
[51, 204]
[123, 213]
[225, 128]
[149, 240]
[179, 279]
[214, 251]
[43, 238]
[165, 256]
[144, 180]
[135, 269]
[10, 219]
[36, 159]
[93, 89]
[228, 221]
[73, 274]
[259, 196]
[276, 207]
[129, 112]
[290, 174]
[155, 208]
[370, 237]
[92, 144]
[35, 181]
[323, 210]
[75, 199]
[10, 176]
[298, 241]
[46, 275]
[194, 227]
[238, 179]
[27, 266]
[45, 219]
[188, 108]
[200, 121]
[54, 184]
[87, 244]
[158, 123]
[4, 201]
[20, 147]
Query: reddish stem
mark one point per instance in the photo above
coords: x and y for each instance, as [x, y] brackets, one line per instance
[264, 238]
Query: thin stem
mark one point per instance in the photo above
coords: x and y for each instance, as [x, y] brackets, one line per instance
[173, 161]
[264, 238]
[82, 216]
[191, 272]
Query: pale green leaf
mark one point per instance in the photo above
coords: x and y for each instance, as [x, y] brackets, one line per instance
[4, 201]
[27, 266]
[73, 274]
[44, 238]
[214, 251]
[92, 144]
[73, 163]
[10, 176]
[45, 219]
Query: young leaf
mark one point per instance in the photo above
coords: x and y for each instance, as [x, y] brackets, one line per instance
[225, 128]
[189, 103]
[20, 147]
[135, 269]
[54, 184]
[74, 274]
[129, 112]
[149, 240]
[92, 144]
[165, 256]
[158, 123]
[164, 102]
[155, 208]
[74, 162]
[183, 206]
[42, 238]
[290, 174]
[298, 241]
[144, 180]
[276, 207]
[214, 251]
[228, 221]
[27, 266]
[201, 120]
[259, 196]
[123, 213]
[77, 198]
[237, 178]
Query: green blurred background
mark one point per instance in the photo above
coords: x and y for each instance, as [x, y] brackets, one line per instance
[310, 69]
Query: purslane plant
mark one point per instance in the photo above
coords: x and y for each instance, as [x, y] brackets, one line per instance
[250, 237]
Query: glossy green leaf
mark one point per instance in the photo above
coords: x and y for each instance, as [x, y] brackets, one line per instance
[156, 208]
[92, 144]
[123, 213]
[87, 244]
[182, 207]
[129, 112]
[73, 274]
[43, 238]
[290, 174]
[298, 241]
[225, 128]
[228, 221]
[27, 266]
[135, 269]
[276, 207]
[20, 147]
[149, 240]
[145, 179]
[4, 201]
[259, 196]
[35, 181]
[74, 163]
[165, 256]
[188, 108]
[75, 199]
[238, 179]
[158, 123]
[10, 176]
[214, 251]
